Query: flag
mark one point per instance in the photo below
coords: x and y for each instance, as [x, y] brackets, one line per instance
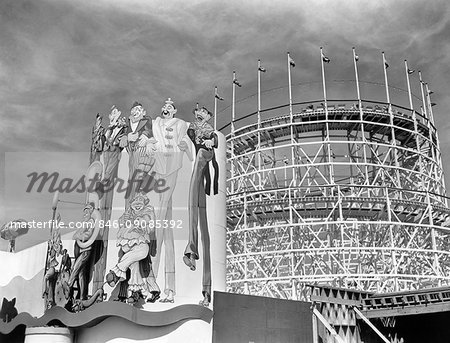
[235, 81]
[325, 58]
[430, 92]
[386, 65]
[433, 104]
[291, 62]
[356, 58]
[262, 69]
[410, 71]
[218, 97]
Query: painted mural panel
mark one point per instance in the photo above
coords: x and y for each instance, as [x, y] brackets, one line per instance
[151, 226]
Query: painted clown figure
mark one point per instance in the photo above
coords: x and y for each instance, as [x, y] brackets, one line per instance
[112, 151]
[137, 139]
[170, 144]
[205, 140]
[136, 239]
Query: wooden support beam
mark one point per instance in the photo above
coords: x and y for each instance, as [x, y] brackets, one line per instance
[328, 326]
[368, 322]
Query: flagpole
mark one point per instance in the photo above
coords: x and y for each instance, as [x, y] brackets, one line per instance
[215, 108]
[416, 128]
[233, 117]
[358, 92]
[327, 125]
[361, 117]
[388, 99]
[259, 94]
[391, 120]
[423, 95]
[290, 85]
[233, 103]
[430, 105]
[292, 121]
[259, 122]
[409, 86]
[323, 83]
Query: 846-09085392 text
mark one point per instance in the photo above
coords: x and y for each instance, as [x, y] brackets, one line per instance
[152, 224]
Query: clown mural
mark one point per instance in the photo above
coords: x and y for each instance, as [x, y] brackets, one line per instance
[170, 143]
[205, 141]
[160, 150]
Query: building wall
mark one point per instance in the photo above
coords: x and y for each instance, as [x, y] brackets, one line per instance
[245, 318]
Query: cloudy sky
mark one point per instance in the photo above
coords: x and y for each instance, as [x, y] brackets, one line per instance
[61, 62]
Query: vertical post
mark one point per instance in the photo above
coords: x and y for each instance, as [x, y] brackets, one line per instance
[430, 105]
[409, 86]
[233, 117]
[323, 83]
[388, 99]
[315, 329]
[215, 108]
[424, 106]
[290, 84]
[327, 143]
[292, 120]
[52, 229]
[259, 124]
[391, 117]
[246, 289]
[361, 116]
[416, 128]
[437, 156]
[259, 94]
[433, 236]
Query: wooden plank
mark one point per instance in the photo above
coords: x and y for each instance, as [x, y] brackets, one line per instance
[407, 310]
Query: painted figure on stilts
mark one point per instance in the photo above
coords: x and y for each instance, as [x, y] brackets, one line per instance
[170, 142]
[205, 141]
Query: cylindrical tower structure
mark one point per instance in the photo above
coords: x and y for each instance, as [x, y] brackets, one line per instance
[350, 195]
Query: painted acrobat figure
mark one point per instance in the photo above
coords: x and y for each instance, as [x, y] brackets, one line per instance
[205, 141]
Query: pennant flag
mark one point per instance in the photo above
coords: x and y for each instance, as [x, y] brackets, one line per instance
[218, 97]
[430, 92]
[262, 69]
[410, 71]
[386, 65]
[311, 107]
[291, 62]
[356, 58]
[325, 58]
[433, 104]
[235, 81]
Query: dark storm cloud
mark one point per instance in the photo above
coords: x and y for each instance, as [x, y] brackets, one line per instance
[61, 62]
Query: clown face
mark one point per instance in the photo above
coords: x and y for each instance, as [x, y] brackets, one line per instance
[137, 113]
[202, 115]
[138, 203]
[98, 121]
[87, 213]
[168, 110]
[114, 115]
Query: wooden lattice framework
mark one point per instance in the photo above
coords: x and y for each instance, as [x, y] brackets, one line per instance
[348, 195]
